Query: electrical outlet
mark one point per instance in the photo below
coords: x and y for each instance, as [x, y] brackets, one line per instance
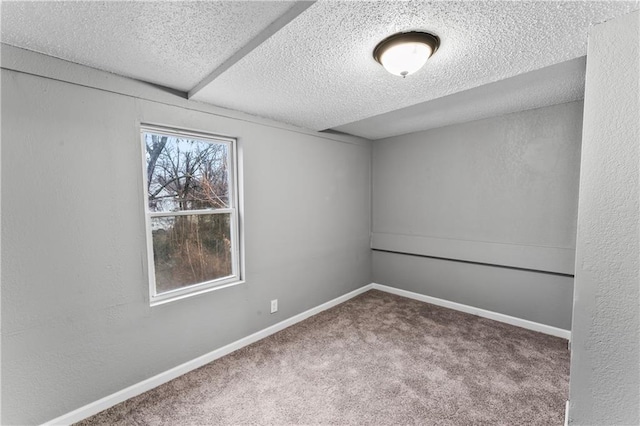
[274, 306]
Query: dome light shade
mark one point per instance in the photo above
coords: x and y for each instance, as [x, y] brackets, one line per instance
[405, 53]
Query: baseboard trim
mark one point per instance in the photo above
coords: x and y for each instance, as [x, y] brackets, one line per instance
[159, 379]
[566, 414]
[519, 322]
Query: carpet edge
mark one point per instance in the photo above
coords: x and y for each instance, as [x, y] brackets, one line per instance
[166, 376]
[136, 389]
[496, 316]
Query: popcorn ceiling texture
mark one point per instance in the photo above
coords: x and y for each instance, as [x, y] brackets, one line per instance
[318, 72]
[556, 84]
[605, 360]
[173, 44]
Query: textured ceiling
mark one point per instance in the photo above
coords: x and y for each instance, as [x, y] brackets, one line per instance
[173, 44]
[318, 71]
[313, 66]
[551, 85]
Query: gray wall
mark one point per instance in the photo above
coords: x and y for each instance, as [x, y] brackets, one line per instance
[76, 321]
[501, 191]
[605, 358]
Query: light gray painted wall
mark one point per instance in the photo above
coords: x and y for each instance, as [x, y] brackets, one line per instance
[500, 191]
[535, 296]
[605, 358]
[76, 321]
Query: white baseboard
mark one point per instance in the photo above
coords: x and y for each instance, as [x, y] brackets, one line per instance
[519, 322]
[157, 380]
[566, 414]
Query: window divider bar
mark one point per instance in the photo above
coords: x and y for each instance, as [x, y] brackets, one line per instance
[191, 212]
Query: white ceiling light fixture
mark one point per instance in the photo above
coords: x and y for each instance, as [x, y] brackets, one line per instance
[405, 53]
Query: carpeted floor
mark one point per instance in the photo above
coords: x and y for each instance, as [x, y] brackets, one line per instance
[378, 359]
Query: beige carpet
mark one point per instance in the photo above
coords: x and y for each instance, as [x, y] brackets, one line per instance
[377, 359]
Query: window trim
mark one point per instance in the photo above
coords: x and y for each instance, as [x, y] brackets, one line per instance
[237, 263]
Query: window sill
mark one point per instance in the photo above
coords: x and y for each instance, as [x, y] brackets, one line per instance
[157, 301]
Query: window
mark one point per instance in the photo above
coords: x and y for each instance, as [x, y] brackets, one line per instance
[192, 212]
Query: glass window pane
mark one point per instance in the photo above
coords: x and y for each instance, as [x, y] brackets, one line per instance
[190, 249]
[186, 173]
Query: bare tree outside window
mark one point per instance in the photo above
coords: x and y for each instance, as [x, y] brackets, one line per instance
[186, 174]
[190, 208]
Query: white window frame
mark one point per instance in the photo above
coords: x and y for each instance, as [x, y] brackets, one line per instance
[237, 272]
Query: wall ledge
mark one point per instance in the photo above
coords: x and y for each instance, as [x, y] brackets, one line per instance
[556, 260]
